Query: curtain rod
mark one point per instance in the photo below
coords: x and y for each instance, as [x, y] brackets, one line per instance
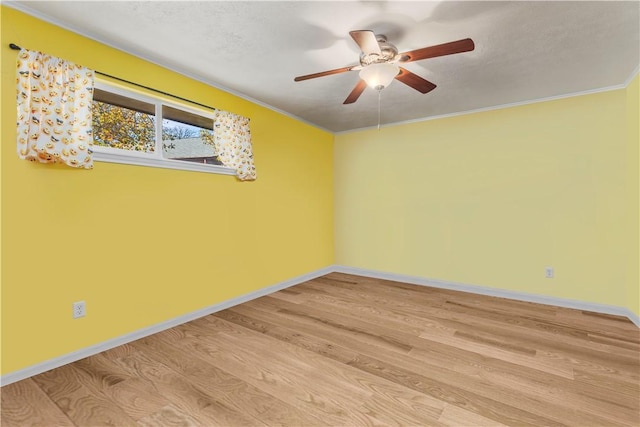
[16, 47]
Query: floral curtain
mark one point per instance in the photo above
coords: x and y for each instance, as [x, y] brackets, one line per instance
[232, 141]
[54, 110]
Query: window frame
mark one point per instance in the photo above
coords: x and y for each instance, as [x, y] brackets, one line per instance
[155, 158]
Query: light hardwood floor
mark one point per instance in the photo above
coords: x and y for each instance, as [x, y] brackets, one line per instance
[344, 350]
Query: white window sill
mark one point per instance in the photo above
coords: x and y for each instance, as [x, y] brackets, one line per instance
[154, 162]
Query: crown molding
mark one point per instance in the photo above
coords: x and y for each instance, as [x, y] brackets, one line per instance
[24, 8]
[497, 107]
[633, 75]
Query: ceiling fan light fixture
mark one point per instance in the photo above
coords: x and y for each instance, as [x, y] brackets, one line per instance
[379, 76]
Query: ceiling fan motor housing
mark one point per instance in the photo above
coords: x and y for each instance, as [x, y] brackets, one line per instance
[380, 63]
[388, 50]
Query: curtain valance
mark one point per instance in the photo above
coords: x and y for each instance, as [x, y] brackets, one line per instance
[232, 141]
[54, 110]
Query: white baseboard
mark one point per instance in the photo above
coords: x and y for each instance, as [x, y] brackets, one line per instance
[494, 292]
[502, 293]
[141, 333]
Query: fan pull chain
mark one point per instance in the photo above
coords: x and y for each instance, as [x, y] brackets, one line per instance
[379, 93]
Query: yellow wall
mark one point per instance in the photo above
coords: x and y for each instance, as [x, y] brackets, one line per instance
[488, 199]
[143, 245]
[633, 197]
[492, 198]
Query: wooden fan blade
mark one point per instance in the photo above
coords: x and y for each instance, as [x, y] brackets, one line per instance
[356, 92]
[323, 73]
[367, 41]
[450, 48]
[415, 81]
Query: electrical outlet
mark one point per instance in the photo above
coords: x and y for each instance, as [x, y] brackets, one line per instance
[548, 272]
[79, 309]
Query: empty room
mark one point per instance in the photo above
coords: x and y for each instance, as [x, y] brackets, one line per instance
[320, 213]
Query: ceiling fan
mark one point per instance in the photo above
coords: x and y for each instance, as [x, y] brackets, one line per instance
[379, 61]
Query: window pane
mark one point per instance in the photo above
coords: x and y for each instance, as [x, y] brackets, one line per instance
[124, 123]
[187, 136]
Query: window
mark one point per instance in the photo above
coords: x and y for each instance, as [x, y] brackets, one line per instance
[123, 123]
[187, 136]
[132, 128]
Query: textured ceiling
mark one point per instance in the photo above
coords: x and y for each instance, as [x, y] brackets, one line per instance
[524, 50]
